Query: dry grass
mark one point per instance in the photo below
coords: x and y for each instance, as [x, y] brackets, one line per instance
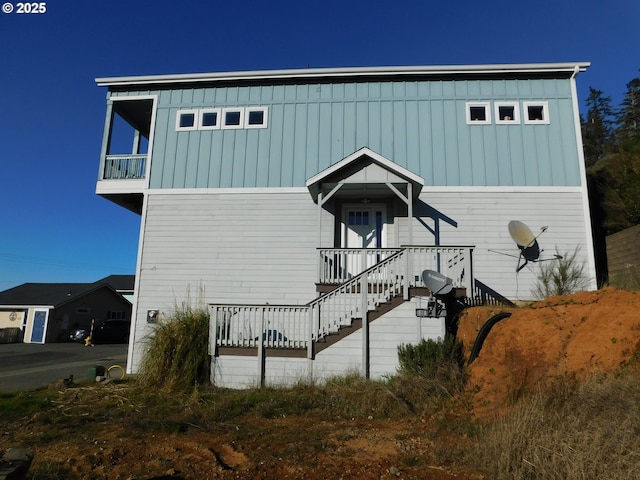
[176, 357]
[577, 430]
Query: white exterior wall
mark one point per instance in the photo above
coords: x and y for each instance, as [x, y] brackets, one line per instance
[256, 246]
[480, 217]
[235, 246]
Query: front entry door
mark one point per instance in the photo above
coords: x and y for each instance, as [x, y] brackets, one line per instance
[363, 226]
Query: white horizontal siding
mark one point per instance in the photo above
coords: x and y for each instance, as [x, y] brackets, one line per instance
[260, 247]
[226, 248]
[481, 219]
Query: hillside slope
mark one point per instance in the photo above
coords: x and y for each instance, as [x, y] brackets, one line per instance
[574, 335]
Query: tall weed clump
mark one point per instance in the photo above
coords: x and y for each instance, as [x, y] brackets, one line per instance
[560, 277]
[177, 354]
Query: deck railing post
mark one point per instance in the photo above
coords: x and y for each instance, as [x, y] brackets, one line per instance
[310, 322]
[408, 271]
[364, 288]
[213, 340]
[262, 338]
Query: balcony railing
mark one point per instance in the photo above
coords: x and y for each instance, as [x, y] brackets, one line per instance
[338, 265]
[124, 167]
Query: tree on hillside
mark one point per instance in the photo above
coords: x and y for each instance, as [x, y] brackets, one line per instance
[628, 117]
[597, 129]
[615, 180]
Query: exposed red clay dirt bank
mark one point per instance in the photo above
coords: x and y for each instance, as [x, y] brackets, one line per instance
[572, 335]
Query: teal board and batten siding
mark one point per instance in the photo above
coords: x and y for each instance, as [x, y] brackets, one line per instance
[420, 125]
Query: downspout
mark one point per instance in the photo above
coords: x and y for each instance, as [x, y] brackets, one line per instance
[583, 179]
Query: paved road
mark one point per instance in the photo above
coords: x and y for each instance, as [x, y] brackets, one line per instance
[27, 366]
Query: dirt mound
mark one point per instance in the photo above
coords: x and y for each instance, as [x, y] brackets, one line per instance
[564, 335]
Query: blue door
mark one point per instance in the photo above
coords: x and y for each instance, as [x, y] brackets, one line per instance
[39, 321]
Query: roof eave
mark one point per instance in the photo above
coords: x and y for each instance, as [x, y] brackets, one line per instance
[569, 67]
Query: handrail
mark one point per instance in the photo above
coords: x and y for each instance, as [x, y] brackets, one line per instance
[298, 326]
[127, 166]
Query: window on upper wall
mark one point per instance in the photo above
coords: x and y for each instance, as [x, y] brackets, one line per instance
[186, 120]
[209, 119]
[507, 112]
[256, 117]
[232, 118]
[222, 118]
[478, 113]
[536, 112]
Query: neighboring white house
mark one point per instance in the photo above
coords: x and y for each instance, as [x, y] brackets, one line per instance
[302, 201]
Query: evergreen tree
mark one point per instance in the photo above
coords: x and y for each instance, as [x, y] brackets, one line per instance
[597, 129]
[628, 118]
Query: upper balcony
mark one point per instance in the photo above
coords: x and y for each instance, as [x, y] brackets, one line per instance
[124, 159]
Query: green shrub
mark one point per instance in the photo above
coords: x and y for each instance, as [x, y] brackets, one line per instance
[177, 354]
[560, 277]
[428, 356]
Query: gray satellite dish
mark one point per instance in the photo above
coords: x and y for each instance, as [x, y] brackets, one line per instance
[437, 283]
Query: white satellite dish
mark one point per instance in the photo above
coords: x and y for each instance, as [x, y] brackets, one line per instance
[521, 234]
[527, 242]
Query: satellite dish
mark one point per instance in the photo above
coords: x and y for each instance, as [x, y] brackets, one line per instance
[521, 234]
[527, 242]
[437, 283]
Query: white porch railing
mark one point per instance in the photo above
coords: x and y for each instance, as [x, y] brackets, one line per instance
[119, 167]
[338, 265]
[298, 326]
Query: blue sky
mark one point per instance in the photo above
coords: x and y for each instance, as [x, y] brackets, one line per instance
[54, 228]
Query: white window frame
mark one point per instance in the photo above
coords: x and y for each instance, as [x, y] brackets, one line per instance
[516, 112]
[487, 111]
[224, 125]
[201, 115]
[192, 111]
[265, 113]
[545, 112]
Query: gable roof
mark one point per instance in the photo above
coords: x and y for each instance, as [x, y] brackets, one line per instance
[120, 283]
[364, 167]
[48, 294]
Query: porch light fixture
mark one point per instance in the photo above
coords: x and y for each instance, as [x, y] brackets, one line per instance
[152, 316]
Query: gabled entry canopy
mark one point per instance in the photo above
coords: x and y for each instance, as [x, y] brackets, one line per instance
[365, 174]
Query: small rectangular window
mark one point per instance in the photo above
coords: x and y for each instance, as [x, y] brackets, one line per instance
[507, 112]
[256, 117]
[232, 117]
[210, 119]
[478, 113]
[536, 112]
[186, 120]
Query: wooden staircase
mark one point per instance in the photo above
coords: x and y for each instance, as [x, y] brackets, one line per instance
[297, 330]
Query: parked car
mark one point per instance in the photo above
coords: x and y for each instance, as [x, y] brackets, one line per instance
[78, 335]
[111, 331]
[105, 331]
